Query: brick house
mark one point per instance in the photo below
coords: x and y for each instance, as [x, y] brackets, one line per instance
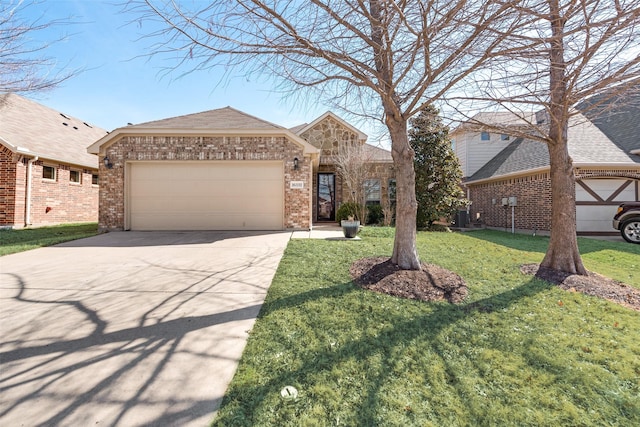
[215, 170]
[46, 175]
[501, 170]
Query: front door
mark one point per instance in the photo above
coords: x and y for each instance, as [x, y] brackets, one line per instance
[326, 197]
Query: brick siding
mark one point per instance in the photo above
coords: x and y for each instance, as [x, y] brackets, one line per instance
[53, 202]
[7, 187]
[153, 148]
[533, 211]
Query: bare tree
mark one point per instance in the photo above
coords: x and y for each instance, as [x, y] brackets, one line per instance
[380, 58]
[352, 160]
[24, 65]
[568, 52]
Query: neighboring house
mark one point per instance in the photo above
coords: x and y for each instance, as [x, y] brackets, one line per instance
[46, 175]
[218, 170]
[604, 145]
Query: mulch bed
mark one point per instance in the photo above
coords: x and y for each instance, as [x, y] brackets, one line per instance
[593, 284]
[432, 283]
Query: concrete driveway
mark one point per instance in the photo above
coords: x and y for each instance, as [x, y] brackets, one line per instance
[129, 328]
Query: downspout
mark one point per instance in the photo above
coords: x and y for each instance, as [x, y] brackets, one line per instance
[27, 214]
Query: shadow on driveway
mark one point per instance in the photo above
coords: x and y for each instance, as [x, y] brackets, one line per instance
[129, 328]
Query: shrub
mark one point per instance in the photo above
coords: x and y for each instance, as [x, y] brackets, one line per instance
[348, 209]
[375, 214]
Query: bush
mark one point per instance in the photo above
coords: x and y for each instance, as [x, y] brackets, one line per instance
[348, 209]
[374, 214]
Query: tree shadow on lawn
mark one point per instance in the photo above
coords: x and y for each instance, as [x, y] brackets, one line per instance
[528, 243]
[247, 398]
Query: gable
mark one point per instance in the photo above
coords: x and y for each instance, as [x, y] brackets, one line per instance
[328, 131]
[222, 122]
[221, 118]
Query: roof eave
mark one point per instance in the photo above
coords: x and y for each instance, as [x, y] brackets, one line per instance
[610, 165]
[508, 175]
[26, 152]
[606, 165]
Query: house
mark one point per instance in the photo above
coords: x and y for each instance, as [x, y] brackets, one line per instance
[501, 170]
[221, 169]
[46, 175]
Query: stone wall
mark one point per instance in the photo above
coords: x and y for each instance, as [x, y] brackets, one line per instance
[204, 148]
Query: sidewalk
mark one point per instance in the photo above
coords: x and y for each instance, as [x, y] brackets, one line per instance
[331, 231]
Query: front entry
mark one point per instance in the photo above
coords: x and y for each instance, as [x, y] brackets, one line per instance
[326, 197]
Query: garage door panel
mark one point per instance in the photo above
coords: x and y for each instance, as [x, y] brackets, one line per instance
[596, 215]
[595, 218]
[206, 196]
[181, 221]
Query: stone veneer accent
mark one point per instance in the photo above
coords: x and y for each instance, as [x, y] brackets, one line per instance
[328, 135]
[297, 207]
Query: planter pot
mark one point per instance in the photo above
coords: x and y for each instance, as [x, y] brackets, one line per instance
[350, 228]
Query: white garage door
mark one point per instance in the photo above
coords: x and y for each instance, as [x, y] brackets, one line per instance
[597, 200]
[206, 195]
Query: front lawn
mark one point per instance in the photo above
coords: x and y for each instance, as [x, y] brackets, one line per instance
[518, 351]
[12, 241]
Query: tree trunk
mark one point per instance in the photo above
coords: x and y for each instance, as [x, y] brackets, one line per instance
[405, 253]
[562, 253]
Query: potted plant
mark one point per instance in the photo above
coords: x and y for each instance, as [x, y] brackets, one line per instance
[350, 227]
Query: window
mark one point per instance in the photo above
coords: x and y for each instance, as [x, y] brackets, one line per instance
[453, 145]
[49, 172]
[94, 178]
[485, 136]
[372, 191]
[504, 137]
[392, 190]
[75, 176]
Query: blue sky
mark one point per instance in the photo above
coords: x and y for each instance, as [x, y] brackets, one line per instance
[121, 85]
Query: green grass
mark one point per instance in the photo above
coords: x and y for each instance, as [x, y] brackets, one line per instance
[12, 241]
[517, 352]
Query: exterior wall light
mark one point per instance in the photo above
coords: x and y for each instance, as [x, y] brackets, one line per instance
[295, 164]
[107, 162]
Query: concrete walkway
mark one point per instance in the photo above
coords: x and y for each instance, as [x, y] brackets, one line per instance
[129, 329]
[323, 231]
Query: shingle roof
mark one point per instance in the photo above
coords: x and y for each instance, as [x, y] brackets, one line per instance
[377, 154]
[297, 129]
[221, 118]
[618, 119]
[587, 144]
[31, 128]
[520, 155]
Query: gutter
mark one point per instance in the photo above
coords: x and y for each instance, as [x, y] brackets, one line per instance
[27, 215]
[507, 175]
[576, 166]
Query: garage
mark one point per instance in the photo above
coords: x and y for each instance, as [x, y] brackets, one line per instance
[597, 200]
[205, 195]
